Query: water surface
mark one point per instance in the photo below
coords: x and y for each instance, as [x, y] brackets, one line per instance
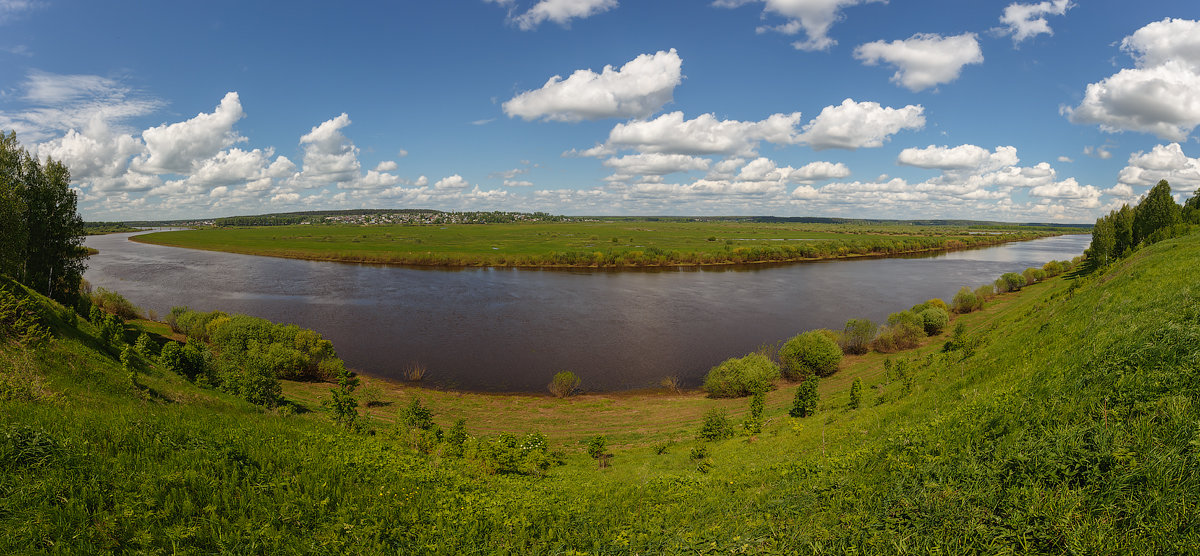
[512, 329]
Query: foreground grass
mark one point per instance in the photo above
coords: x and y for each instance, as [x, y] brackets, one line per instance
[589, 244]
[1074, 427]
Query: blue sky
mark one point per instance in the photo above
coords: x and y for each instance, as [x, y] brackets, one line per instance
[1028, 111]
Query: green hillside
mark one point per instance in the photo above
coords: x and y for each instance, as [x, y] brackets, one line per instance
[1069, 423]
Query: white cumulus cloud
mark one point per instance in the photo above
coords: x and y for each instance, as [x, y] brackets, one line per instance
[636, 90]
[455, 183]
[561, 11]
[1160, 95]
[1025, 21]
[853, 125]
[962, 157]
[1163, 162]
[705, 134]
[174, 148]
[925, 59]
[329, 157]
[814, 17]
[656, 164]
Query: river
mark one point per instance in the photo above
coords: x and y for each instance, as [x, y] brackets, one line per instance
[510, 330]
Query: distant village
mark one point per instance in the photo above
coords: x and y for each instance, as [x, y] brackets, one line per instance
[381, 218]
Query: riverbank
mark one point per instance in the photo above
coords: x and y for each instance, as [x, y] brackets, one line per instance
[644, 417]
[1068, 426]
[614, 245]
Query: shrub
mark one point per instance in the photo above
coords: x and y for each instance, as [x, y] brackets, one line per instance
[115, 303]
[415, 416]
[173, 317]
[504, 454]
[857, 335]
[144, 345]
[1053, 268]
[934, 320]
[171, 358]
[805, 403]
[672, 383]
[112, 331]
[959, 341]
[564, 384]
[716, 426]
[753, 423]
[742, 376]
[343, 406]
[810, 353]
[1010, 282]
[1033, 275]
[456, 438]
[983, 293]
[856, 393]
[596, 446]
[903, 331]
[127, 366]
[254, 387]
[931, 303]
[964, 301]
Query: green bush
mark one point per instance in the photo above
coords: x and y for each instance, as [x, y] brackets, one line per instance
[856, 393]
[983, 293]
[596, 446]
[934, 320]
[112, 331]
[456, 438]
[1010, 282]
[812, 352]
[144, 346]
[716, 426]
[564, 384]
[504, 454]
[928, 304]
[741, 376]
[805, 402]
[964, 301]
[857, 336]
[904, 330]
[414, 416]
[115, 303]
[753, 422]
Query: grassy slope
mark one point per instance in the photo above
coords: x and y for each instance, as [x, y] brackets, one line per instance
[1074, 427]
[534, 244]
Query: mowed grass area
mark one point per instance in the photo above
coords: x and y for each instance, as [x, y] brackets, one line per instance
[1072, 427]
[593, 244]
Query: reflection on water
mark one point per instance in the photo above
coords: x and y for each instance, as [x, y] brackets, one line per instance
[511, 329]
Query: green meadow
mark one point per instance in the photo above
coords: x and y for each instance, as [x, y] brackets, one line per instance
[586, 244]
[1069, 424]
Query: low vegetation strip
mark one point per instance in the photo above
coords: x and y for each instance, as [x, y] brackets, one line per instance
[599, 245]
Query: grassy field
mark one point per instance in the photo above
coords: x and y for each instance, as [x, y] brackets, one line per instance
[588, 244]
[1073, 427]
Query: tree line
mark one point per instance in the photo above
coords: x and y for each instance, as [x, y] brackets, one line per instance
[41, 234]
[1155, 218]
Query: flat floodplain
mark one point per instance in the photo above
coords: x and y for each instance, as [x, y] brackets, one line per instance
[622, 243]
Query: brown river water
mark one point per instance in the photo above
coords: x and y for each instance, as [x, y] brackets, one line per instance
[510, 330]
